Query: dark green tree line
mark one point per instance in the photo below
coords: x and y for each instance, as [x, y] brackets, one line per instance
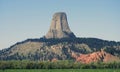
[56, 65]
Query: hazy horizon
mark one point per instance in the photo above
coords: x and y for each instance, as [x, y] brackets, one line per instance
[23, 19]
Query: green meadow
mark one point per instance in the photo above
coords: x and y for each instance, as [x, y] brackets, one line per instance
[60, 70]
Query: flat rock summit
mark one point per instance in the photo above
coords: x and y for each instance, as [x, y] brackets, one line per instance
[59, 27]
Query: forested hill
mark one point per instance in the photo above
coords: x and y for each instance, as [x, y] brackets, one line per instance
[62, 49]
[91, 42]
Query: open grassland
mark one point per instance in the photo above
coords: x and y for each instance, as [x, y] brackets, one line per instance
[61, 70]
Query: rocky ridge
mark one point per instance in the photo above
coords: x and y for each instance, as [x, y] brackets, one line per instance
[100, 56]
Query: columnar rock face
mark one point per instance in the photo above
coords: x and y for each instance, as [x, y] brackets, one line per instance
[59, 27]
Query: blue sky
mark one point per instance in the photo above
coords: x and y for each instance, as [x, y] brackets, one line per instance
[22, 19]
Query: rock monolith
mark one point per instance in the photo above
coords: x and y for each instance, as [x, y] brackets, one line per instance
[59, 27]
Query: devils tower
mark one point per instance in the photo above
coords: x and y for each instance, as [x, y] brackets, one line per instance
[60, 43]
[59, 27]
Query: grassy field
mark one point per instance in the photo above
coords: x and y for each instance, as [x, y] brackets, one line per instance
[61, 70]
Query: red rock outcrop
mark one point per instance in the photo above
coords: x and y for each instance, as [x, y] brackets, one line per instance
[54, 60]
[101, 56]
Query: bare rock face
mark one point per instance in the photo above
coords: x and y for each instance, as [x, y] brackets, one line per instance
[59, 27]
[100, 56]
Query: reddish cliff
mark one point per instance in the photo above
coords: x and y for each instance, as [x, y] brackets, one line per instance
[101, 56]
